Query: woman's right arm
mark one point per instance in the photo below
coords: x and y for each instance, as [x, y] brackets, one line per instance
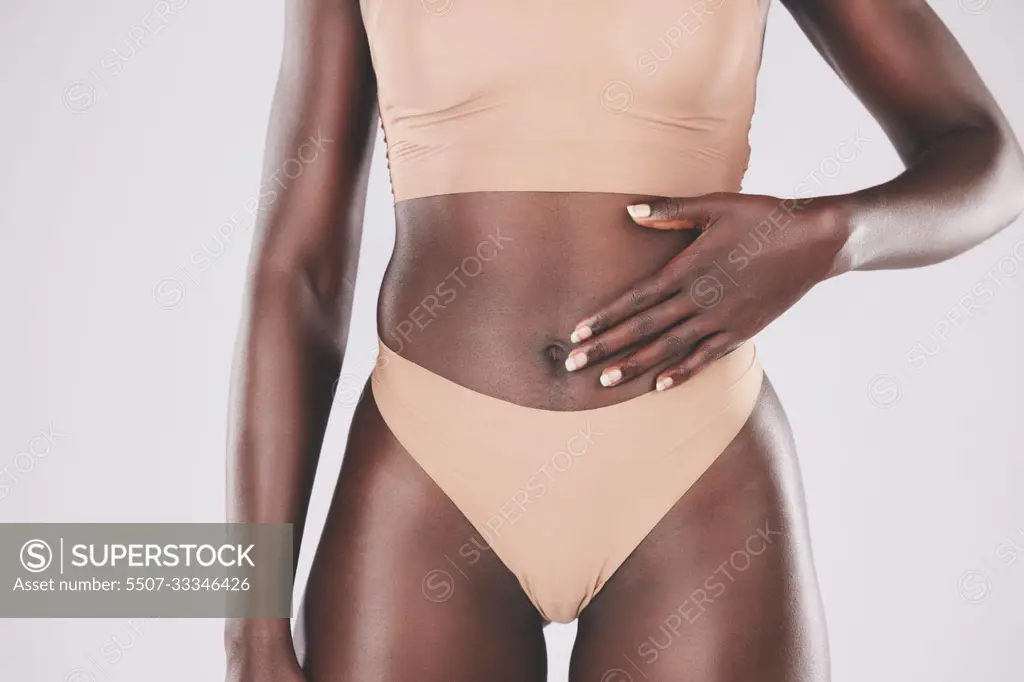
[299, 294]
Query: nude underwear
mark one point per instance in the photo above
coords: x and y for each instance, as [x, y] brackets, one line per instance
[652, 97]
[564, 497]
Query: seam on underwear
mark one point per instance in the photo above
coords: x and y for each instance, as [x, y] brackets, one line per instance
[672, 450]
[436, 435]
[430, 432]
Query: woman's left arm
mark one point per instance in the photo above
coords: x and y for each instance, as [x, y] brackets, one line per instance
[964, 181]
[965, 170]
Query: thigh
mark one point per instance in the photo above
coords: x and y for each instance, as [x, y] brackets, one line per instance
[402, 587]
[723, 589]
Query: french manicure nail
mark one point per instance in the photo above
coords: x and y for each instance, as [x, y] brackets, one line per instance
[611, 377]
[664, 383]
[639, 210]
[581, 334]
[575, 361]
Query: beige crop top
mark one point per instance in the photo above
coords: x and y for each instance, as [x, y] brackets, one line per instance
[647, 97]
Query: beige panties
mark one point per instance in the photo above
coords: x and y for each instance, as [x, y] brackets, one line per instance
[564, 497]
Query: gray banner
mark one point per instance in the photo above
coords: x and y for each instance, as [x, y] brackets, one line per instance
[128, 570]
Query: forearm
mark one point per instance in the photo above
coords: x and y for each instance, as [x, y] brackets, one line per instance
[285, 367]
[956, 193]
[289, 354]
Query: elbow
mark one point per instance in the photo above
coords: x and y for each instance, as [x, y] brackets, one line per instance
[314, 286]
[1005, 174]
[993, 188]
[1014, 172]
[321, 275]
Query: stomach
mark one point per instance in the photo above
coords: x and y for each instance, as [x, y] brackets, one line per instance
[485, 288]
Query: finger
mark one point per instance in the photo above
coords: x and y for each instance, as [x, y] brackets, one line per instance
[707, 351]
[640, 297]
[669, 345]
[631, 331]
[673, 213]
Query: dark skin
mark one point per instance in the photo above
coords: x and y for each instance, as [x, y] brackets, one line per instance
[962, 184]
[561, 262]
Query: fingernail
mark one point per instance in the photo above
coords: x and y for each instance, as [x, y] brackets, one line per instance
[663, 383]
[639, 210]
[610, 377]
[575, 361]
[581, 334]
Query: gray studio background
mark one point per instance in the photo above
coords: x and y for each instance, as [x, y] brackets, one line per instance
[117, 339]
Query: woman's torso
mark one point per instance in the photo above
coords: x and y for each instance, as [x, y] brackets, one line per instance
[517, 134]
[485, 289]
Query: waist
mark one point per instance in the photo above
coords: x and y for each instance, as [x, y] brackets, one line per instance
[710, 162]
[484, 289]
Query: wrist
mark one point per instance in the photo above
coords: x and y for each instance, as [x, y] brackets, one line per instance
[833, 218]
[261, 654]
[257, 634]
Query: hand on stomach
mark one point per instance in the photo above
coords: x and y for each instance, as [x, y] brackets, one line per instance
[485, 289]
